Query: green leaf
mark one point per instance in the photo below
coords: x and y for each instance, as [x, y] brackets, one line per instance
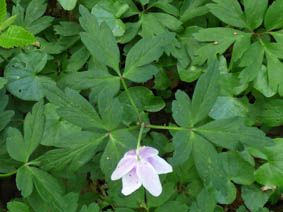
[23, 77]
[237, 168]
[77, 60]
[143, 98]
[208, 165]
[21, 148]
[195, 10]
[173, 206]
[261, 82]
[75, 151]
[109, 12]
[168, 21]
[207, 197]
[228, 11]
[32, 19]
[16, 206]
[8, 22]
[273, 52]
[165, 6]
[254, 11]
[24, 181]
[144, 2]
[120, 141]
[55, 127]
[253, 197]
[273, 16]
[48, 188]
[131, 32]
[5, 116]
[74, 108]
[99, 40]
[3, 82]
[228, 107]
[3, 11]
[16, 36]
[205, 93]
[251, 67]
[271, 173]
[110, 109]
[93, 207]
[229, 133]
[218, 40]
[67, 28]
[34, 128]
[168, 190]
[15, 145]
[35, 9]
[183, 142]
[96, 79]
[68, 4]
[269, 111]
[182, 109]
[144, 52]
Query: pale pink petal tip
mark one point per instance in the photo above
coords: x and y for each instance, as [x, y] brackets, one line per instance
[147, 151]
[149, 178]
[125, 165]
[160, 165]
[130, 182]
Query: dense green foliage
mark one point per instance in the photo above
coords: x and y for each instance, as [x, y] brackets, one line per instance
[199, 80]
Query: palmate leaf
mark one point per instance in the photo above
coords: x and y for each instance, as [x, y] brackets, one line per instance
[16, 36]
[99, 40]
[94, 78]
[74, 151]
[144, 52]
[228, 11]
[22, 75]
[55, 127]
[20, 148]
[48, 187]
[220, 40]
[187, 113]
[230, 133]
[74, 108]
[270, 173]
[32, 18]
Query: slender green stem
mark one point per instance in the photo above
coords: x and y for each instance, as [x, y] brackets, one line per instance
[15, 171]
[131, 99]
[8, 174]
[139, 141]
[165, 127]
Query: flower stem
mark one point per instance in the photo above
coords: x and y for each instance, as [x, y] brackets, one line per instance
[8, 174]
[130, 98]
[139, 141]
[165, 127]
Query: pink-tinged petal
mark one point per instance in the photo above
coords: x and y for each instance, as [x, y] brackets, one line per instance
[160, 165]
[146, 152]
[130, 182]
[149, 178]
[131, 153]
[125, 165]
